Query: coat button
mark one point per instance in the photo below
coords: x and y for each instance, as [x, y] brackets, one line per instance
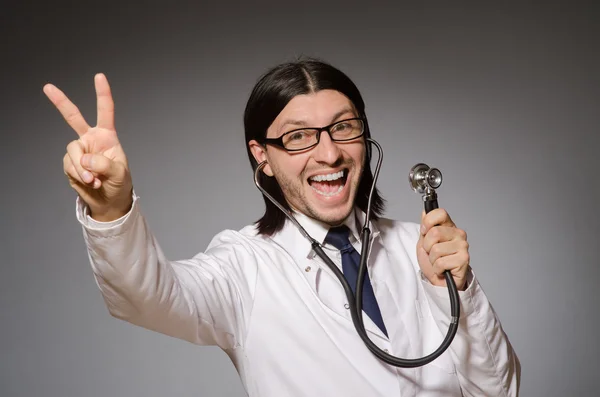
[347, 306]
[307, 269]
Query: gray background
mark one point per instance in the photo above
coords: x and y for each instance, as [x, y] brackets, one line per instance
[503, 99]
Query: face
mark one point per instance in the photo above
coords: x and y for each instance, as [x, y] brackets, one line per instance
[300, 174]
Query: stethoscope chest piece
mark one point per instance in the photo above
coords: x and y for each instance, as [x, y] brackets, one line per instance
[425, 180]
[422, 178]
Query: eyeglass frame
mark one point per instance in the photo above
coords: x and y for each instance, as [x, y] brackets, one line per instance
[279, 141]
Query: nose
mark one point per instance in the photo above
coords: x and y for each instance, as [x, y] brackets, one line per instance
[327, 151]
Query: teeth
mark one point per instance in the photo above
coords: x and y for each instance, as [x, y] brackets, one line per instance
[330, 193]
[328, 177]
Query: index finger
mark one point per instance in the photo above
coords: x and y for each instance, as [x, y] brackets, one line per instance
[437, 217]
[69, 111]
[106, 106]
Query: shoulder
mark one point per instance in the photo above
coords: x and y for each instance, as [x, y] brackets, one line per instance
[400, 238]
[245, 239]
[403, 230]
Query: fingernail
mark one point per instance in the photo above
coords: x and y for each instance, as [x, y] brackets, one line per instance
[422, 229]
[87, 176]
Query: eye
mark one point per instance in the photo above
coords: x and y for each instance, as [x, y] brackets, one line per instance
[341, 127]
[297, 136]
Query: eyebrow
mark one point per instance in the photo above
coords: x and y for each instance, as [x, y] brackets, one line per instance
[303, 123]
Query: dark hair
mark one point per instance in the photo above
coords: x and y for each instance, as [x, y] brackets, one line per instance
[270, 95]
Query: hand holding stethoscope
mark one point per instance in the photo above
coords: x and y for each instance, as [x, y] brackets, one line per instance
[442, 246]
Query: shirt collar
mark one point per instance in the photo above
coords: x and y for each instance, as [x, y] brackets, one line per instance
[293, 240]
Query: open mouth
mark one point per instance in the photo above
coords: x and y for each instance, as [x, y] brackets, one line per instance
[329, 184]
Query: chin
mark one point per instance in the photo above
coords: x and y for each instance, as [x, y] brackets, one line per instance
[333, 216]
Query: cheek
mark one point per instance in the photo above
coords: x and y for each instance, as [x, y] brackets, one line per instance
[287, 166]
[358, 154]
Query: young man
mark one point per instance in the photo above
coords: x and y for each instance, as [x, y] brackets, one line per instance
[261, 293]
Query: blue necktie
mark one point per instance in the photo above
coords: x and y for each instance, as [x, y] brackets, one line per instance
[338, 237]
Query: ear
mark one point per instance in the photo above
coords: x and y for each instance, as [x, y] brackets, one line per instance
[260, 154]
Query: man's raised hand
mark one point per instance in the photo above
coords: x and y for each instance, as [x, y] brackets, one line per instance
[95, 163]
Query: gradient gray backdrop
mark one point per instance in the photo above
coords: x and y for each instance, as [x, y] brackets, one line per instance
[504, 100]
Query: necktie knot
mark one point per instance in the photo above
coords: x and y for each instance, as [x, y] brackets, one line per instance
[339, 237]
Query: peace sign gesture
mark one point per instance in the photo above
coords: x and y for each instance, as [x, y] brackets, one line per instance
[95, 164]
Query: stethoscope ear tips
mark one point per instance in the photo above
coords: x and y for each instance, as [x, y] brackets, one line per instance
[422, 177]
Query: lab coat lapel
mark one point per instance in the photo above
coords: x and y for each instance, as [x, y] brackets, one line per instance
[392, 276]
[381, 270]
[390, 271]
[317, 273]
[331, 293]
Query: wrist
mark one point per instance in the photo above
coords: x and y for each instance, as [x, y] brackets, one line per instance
[112, 213]
[108, 216]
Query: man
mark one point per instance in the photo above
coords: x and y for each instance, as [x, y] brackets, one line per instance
[261, 293]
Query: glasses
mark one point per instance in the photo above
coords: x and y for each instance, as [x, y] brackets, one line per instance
[305, 138]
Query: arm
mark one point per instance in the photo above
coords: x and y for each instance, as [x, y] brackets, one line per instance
[204, 300]
[485, 361]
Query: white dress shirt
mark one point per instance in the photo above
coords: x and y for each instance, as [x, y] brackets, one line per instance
[281, 315]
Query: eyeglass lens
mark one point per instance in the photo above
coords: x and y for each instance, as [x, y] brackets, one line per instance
[344, 130]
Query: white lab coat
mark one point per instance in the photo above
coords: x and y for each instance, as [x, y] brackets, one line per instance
[280, 314]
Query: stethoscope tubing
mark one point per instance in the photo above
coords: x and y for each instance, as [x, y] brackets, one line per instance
[355, 302]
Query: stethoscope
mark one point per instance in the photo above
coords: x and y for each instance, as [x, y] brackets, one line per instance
[424, 180]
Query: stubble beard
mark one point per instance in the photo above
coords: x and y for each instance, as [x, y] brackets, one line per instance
[295, 189]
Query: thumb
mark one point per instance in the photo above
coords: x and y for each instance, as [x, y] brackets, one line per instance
[100, 165]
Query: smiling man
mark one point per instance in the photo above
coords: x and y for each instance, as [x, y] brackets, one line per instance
[261, 293]
[319, 177]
